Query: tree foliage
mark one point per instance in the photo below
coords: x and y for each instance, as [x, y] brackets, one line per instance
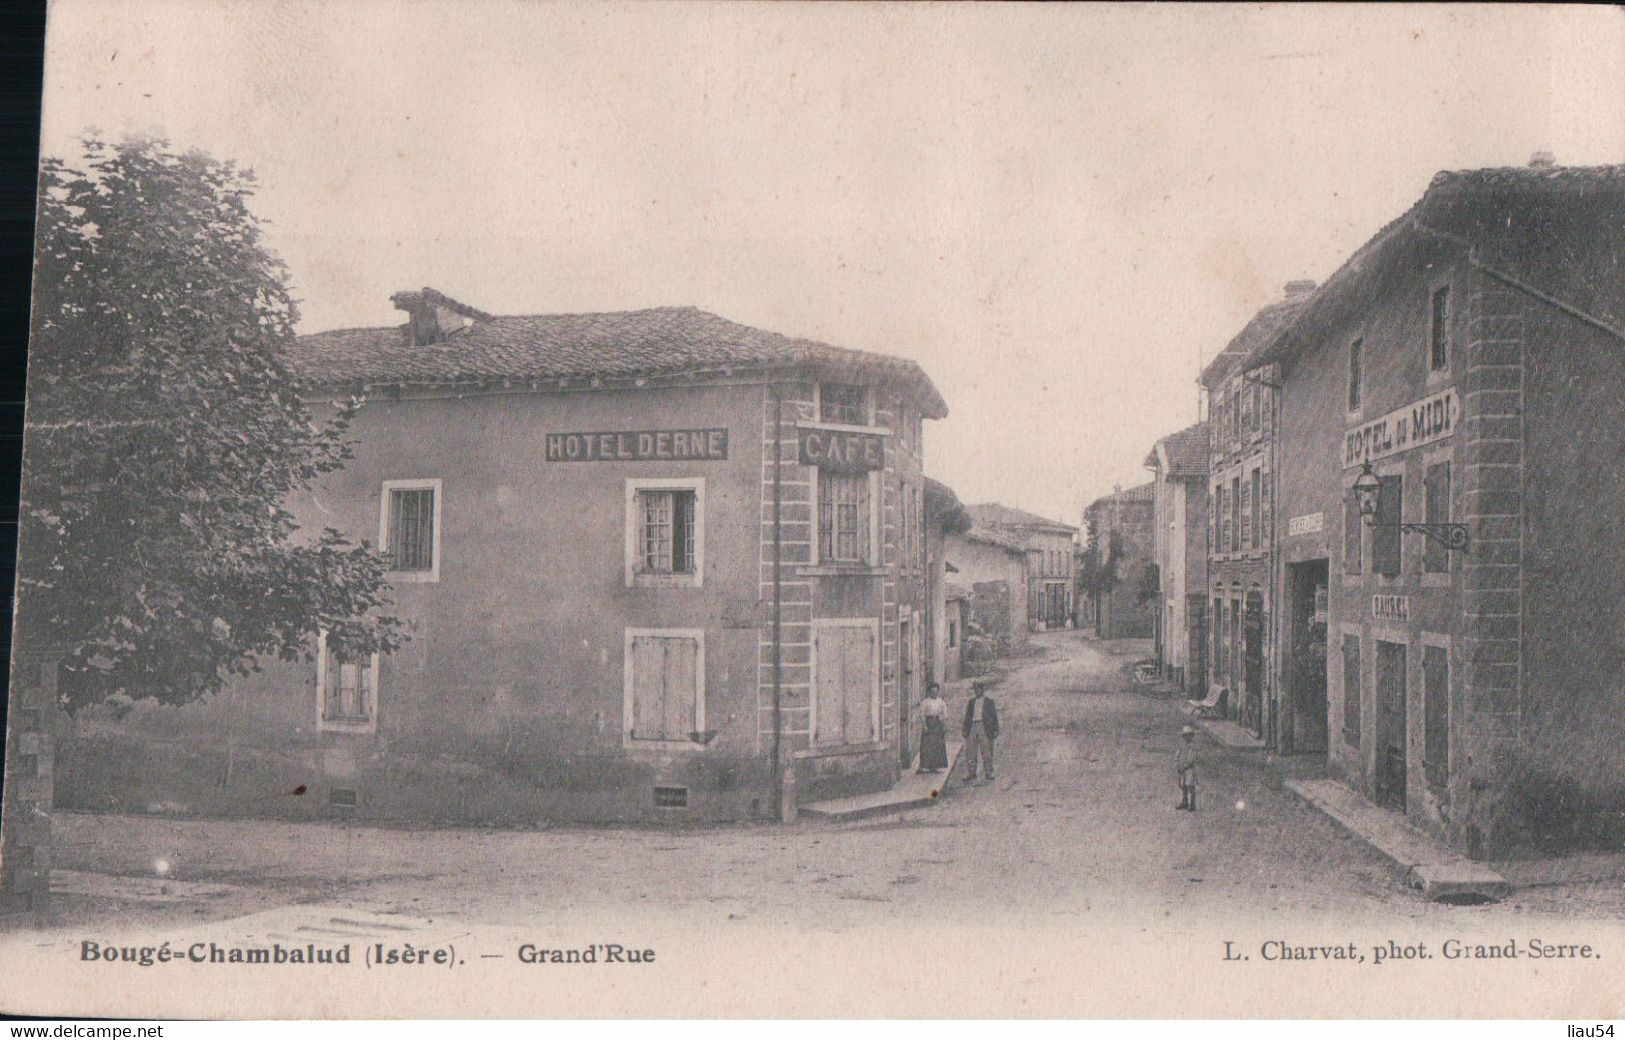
[165, 435]
[1097, 573]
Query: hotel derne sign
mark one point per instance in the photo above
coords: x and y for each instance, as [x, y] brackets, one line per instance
[841, 449]
[707, 445]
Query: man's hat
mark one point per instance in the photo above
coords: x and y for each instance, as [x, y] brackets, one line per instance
[1188, 731]
[979, 685]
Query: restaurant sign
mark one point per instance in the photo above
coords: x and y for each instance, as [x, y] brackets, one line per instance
[1431, 419]
[1390, 608]
[841, 449]
[709, 445]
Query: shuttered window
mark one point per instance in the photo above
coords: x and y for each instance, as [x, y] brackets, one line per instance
[1246, 514]
[1235, 514]
[1436, 714]
[664, 687]
[844, 517]
[1385, 540]
[411, 529]
[1351, 690]
[846, 684]
[1353, 532]
[1436, 558]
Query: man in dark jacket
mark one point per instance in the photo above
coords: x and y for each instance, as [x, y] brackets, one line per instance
[981, 729]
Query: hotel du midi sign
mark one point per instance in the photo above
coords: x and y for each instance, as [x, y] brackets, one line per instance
[1433, 418]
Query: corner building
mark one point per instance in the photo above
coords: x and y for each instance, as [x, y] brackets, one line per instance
[648, 560]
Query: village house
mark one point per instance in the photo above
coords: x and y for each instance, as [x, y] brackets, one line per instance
[1242, 410]
[655, 565]
[1049, 558]
[992, 567]
[1454, 402]
[1179, 553]
[1120, 529]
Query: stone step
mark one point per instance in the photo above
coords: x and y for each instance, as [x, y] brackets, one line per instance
[1440, 874]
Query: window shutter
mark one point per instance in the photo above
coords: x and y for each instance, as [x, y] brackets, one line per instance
[663, 687]
[1385, 540]
[1436, 558]
[1436, 714]
[1351, 690]
[1246, 515]
[1353, 532]
[1267, 406]
[1266, 532]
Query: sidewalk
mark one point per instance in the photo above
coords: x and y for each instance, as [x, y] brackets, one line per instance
[1441, 875]
[913, 791]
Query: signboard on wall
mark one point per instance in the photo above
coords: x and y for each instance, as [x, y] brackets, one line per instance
[706, 445]
[1431, 419]
[841, 449]
[1390, 608]
[1309, 523]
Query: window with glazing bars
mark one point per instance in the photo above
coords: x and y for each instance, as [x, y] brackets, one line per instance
[411, 529]
[666, 532]
[843, 516]
[843, 403]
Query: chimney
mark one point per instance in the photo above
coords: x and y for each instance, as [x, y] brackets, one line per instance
[1542, 160]
[432, 316]
[422, 323]
[1299, 287]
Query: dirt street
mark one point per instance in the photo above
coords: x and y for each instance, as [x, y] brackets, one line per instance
[1080, 824]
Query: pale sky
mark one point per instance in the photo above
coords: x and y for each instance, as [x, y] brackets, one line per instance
[1059, 211]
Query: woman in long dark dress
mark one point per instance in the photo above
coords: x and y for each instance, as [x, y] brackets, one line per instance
[934, 738]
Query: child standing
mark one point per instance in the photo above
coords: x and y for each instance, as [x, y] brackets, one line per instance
[1185, 762]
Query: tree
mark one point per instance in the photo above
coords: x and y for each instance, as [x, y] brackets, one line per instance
[165, 435]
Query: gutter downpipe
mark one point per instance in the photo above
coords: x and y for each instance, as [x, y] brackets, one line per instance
[784, 774]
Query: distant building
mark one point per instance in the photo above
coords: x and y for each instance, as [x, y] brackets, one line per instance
[1179, 551]
[1049, 548]
[650, 561]
[1241, 425]
[944, 630]
[993, 568]
[1121, 528]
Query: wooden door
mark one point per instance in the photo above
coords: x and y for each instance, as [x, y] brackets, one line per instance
[1391, 724]
[846, 684]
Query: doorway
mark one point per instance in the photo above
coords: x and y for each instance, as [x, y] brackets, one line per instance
[1391, 724]
[1196, 666]
[1306, 723]
[1252, 664]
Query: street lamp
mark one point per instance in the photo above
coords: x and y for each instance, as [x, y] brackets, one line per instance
[1368, 488]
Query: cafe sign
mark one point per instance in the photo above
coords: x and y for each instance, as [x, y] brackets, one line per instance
[706, 445]
[1390, 608]
[1431, 419]
[841, 449]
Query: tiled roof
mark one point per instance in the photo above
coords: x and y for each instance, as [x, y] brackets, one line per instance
[1460, 201]
[1146, 492]
[1187, 451]
[994, 536]
[994, 514]
[1254, 336]
[659, 341]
